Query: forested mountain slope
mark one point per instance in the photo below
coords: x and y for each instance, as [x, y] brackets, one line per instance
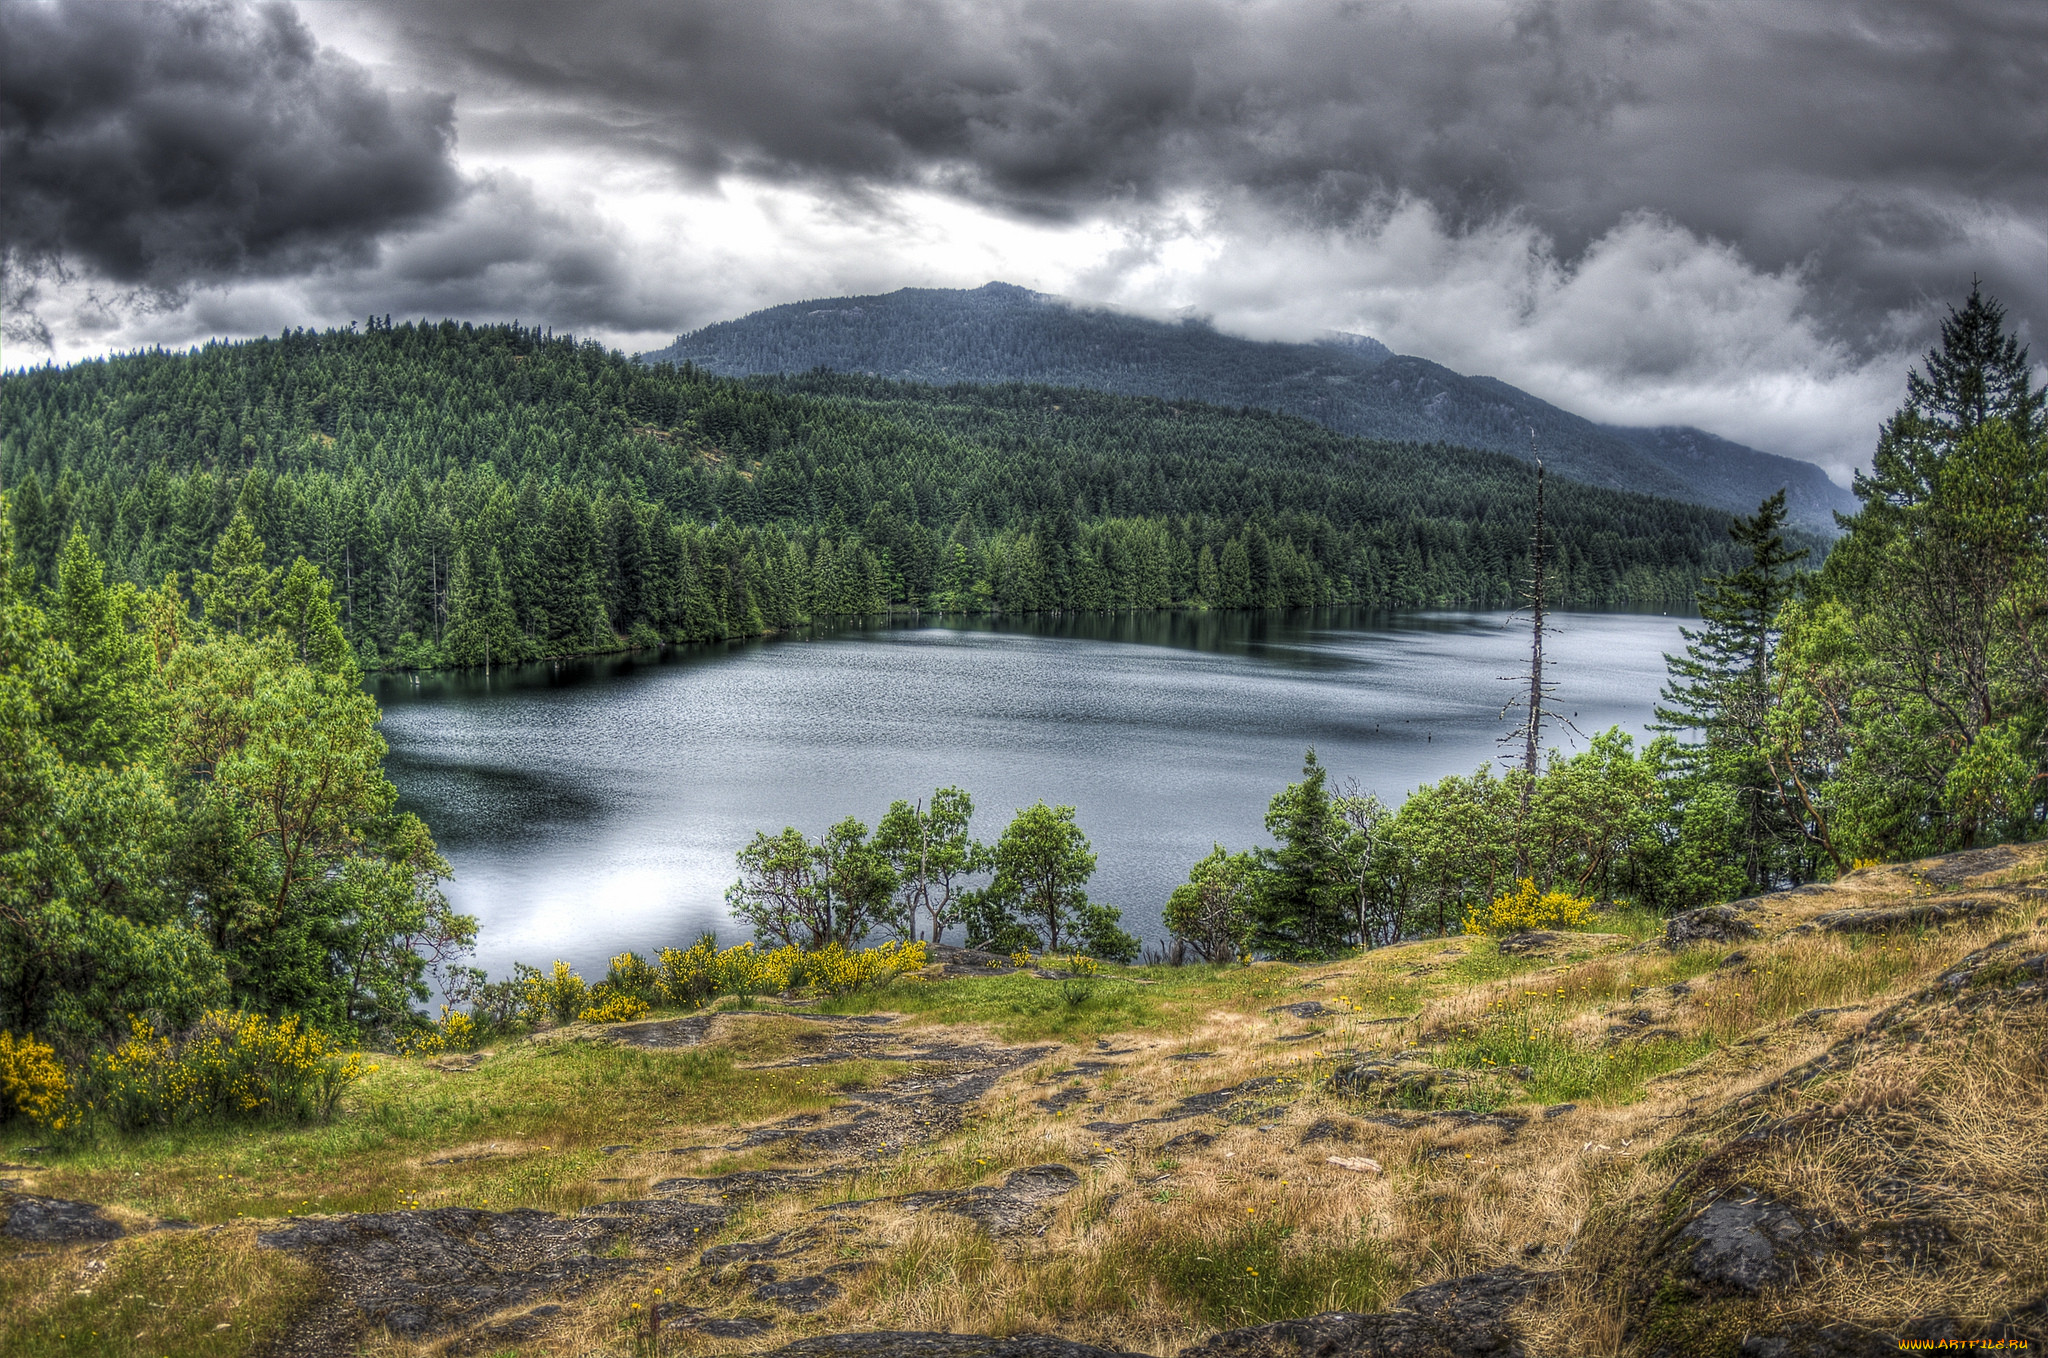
[1353, 384]
[494, 492]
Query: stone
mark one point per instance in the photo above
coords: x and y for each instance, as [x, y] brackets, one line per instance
[1918, 915]
[1708, 924]
[1000, 1211]
[801, 1295]
[1460, 1318]
[1327, 1129]
[924, 1344]
[1357, 1164]
[1747, 1243]
[1304, 1009]
[56, 1221]
[422, 1274]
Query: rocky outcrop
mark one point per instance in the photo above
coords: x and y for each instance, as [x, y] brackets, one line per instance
[1918, 915]
[923, 1344]
[1468, 1317]
[1708, 924]
[55, 1221]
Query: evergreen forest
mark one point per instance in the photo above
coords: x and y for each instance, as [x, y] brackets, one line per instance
[482, 494]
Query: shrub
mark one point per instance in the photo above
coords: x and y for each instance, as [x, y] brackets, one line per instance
[610, 1007]
[631, 974]
[1527, 908]
[33, 1084]
[229, 1067]
[561, 995]
[686, 975]
[836, 971]
[455, 1032]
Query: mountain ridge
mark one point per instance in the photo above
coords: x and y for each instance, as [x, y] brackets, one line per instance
[1349, 383]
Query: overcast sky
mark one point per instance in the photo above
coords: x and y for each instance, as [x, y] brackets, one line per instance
[1738, 214]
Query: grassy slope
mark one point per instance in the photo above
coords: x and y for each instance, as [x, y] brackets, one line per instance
[1667, 1057]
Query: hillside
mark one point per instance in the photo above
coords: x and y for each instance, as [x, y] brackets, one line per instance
[1809, 1123]
[495, 491]
[1352, 384]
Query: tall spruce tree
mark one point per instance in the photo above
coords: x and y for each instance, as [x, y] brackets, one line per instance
[1720, 689]
[1304, 911]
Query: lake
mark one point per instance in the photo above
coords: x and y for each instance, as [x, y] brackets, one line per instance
[595, 805]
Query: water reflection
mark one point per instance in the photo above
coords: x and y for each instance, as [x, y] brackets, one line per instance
[594, 805]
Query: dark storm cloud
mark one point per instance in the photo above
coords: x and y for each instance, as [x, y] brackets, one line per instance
[1889, 147]
[161, 144]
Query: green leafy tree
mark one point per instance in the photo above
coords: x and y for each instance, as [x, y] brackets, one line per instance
[1942, 584]
[1722, 687]
[809, 894]
[235, 594]
[1042, 866]
[1213, 911]
[933, 856]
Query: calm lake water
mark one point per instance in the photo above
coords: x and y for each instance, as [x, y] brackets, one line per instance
[594, 806]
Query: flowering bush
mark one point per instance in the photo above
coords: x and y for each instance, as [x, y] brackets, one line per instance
[1527, 908]
[608, 1006]
[231, 1067]
[835, 971]
[455, 1032]
[33, 1084]
[560, 995]
[631, 974]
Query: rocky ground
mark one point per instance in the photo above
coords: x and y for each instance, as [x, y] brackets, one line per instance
[1811, 1124]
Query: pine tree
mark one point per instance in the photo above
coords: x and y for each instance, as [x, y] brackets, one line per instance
[1304, 910]
[1721, 688]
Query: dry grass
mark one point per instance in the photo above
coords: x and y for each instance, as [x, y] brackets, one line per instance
[1666, 1057]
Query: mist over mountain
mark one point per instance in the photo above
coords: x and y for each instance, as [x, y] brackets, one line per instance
[1351, 383]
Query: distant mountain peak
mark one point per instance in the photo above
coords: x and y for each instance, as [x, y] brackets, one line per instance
[1351, 383]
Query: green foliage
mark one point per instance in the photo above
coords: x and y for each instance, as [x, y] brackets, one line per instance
[1909, 705]
[931, 854]
[229, 1067]
[194, 813]
[804, 894]
[1039, 892]
[487, 494]
[1303, 908]
[1213, 911]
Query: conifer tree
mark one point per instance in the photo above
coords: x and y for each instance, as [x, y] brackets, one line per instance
[1721, 688]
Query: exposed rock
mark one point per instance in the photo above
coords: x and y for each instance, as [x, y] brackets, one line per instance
[919, 1344]
[1750, 1242]
[1305, 1009]
[1000, 1211]
[55, 1221]
[1400, 1080]
[1534, 940]
[1239, 1104]
[427, 1273]
[1327, 1129]
[1956, 868]
[1708, 924]
[743, 1251]
[1918, 915]
[801, 1295]
[1461, 1318]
